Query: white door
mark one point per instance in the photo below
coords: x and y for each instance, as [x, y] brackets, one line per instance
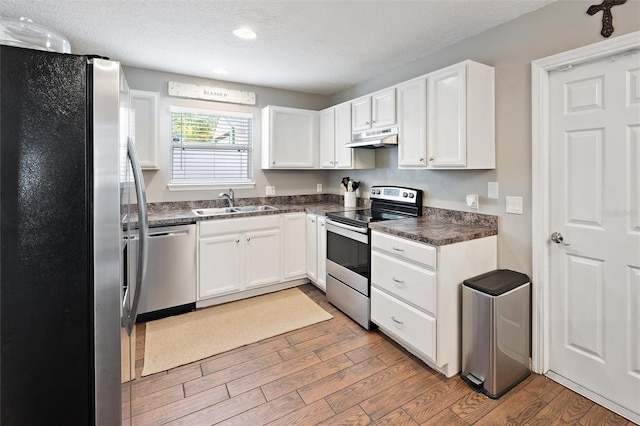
[595, 204]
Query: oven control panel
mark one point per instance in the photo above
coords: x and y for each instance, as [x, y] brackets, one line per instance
[397, 194]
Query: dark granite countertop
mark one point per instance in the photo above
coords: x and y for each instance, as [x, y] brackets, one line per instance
[436, 226]
[440, 227]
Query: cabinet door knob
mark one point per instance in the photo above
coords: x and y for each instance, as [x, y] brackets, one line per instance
[397, 281]
[237, 241]
[274, 163]
[431, 158]
[398, 249]
[422, 160]
[248, 239]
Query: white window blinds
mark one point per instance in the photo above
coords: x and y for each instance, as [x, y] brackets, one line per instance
[210, 146]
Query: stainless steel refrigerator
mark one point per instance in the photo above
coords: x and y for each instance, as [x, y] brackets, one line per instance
[67, 310]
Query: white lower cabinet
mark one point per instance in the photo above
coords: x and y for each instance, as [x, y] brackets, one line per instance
[238, 254]
[312, 247]
[221, 265]
[294, 245]
[405, 322]
[317, 250]
[415, 293]
[262, 257]
[322, 253]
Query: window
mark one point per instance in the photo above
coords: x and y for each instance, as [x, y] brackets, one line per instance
[210, 147]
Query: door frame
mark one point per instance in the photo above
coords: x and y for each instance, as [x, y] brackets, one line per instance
[540, 74]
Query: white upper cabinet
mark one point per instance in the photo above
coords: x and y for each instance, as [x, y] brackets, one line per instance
[327, 138]
[144, 109]
[450, 123]
[361, 114]
[383, 108]
[335, 133]
[374, 111]
[412, 123]
[461, 117]
[289, 138]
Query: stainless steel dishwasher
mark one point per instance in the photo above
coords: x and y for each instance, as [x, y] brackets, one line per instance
[169, 286]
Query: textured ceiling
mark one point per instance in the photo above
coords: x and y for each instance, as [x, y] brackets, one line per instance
[314, 46]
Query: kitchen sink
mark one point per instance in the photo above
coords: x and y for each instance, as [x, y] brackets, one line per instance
[232, 210]
[247, 209]
[213, 211]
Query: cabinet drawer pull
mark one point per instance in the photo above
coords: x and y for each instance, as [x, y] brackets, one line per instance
[397, 321]
[398, 249]
[395, 280]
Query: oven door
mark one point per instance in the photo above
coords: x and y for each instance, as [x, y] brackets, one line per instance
[348, 255]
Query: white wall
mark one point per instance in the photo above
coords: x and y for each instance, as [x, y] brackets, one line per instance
[286, 182]
[510, 48]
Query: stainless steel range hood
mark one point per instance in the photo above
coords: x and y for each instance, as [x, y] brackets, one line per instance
[375, 138]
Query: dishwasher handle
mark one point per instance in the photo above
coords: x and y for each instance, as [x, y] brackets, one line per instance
[168, 233]
[159, 234]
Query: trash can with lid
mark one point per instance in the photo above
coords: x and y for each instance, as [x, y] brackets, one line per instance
[496, 331]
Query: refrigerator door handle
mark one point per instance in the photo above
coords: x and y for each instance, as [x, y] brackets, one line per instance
[143, 224]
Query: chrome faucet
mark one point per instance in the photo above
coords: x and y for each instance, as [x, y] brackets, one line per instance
[228, 195]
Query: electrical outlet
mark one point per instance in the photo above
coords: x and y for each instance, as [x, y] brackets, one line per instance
[271, 190]
[319, 187]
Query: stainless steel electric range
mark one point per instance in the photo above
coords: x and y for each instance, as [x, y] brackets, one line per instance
[348, 252]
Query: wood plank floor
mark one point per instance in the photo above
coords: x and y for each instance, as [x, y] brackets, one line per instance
[336, 373]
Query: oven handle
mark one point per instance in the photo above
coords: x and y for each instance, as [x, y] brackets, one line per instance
[349, 227]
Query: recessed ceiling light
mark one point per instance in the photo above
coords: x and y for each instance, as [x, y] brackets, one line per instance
[245, 33]
[220, 71]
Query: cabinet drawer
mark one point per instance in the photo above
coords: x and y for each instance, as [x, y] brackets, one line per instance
[408, 324]
[409, 282]
[405, 249]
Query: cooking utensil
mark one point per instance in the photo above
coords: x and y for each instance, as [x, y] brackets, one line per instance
[344, 188]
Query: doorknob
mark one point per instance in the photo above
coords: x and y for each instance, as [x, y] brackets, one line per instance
[557, 238]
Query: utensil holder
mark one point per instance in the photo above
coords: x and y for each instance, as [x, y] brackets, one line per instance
[349, 199]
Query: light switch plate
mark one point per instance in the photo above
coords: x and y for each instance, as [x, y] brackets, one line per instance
[492, 190]
[319, 187]
[271, 190]
[514, 205]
